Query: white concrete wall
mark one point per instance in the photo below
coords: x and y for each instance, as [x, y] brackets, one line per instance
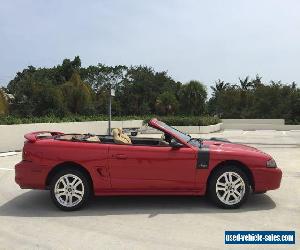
[262, 127]
[200, 129]
[258, 124]
[188, 129]
[253, 121]
[191, 129]
[12, 136]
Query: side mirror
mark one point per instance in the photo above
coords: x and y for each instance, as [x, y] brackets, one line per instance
[175, 144]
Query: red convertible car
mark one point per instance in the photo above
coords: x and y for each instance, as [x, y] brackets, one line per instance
[75, 166]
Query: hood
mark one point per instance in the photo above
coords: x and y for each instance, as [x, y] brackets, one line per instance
[234, 148]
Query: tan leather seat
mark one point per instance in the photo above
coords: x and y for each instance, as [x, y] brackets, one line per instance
[120, 137]
[66, 137]
[79, 138]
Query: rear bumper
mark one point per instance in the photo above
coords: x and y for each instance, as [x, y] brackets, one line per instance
[266, 179]
[30, 176]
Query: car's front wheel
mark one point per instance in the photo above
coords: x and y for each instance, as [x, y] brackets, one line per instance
[70, 189]
[229, 187]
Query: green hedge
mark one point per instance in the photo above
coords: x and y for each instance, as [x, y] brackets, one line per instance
[188, 120]
[171, 120]
[8, 120]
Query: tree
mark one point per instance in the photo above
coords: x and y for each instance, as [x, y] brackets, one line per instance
[192, 98]
[25, 90]
[49, 100]
[69, 88]
[254, 99]
[246, 83]
[228, 102]
[68, 68]
[139, 90]
[3, 103]
[77, 95]
[35, 93]
[219, 87]
[294, 106]
[103, 77]
[256, 82]
[166, 104]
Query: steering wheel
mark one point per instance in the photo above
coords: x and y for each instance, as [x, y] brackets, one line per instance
[166, 137]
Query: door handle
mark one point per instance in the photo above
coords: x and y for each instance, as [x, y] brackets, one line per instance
[119, 156]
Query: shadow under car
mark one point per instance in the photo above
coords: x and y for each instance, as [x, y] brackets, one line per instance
[36, 203]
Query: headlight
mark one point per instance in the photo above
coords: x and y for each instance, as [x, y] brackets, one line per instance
[271, 163]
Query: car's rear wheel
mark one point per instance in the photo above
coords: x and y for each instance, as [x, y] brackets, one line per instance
[229, 187]
[70, 189]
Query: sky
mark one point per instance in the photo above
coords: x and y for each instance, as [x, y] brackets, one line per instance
[190, 39]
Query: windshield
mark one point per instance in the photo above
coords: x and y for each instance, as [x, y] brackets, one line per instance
[181, 135]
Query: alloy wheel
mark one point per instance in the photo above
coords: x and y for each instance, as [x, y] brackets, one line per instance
[69, 190]
[230, 188]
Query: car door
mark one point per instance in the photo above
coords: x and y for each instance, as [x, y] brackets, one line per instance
[143, 167]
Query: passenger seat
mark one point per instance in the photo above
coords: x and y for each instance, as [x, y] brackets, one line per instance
[120, 137]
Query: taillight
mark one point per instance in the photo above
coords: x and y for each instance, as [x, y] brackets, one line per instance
[26, 155]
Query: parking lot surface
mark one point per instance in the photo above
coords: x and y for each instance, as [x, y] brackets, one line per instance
[29, 220]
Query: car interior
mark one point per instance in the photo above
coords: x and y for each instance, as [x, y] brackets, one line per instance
[118, 137]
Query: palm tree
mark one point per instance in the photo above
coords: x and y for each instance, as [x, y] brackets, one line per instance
[192, 98]
[257, 81]
[293, 85]
[246, 84]
[219, 86]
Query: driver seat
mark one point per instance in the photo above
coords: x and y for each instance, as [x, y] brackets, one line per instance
[119, 137]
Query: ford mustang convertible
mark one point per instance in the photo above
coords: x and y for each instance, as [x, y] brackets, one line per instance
[75, 166]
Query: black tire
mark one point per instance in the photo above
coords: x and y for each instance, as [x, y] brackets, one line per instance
[84, 186]
[244, 190]
[263, 192]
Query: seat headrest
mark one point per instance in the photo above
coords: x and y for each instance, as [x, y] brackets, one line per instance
[120, 137]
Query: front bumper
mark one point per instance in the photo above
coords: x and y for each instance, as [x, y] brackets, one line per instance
[30, 176]
[266, 179]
